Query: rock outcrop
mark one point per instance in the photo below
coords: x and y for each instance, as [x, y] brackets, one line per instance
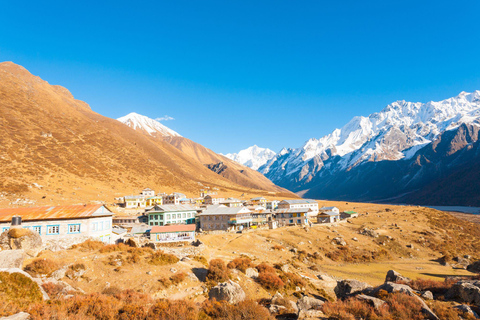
[394, 276]
[17, 270]
[18, 316]
[350, 287]
[12, 258]
[18, 238]
[467, 291]
[228, 291]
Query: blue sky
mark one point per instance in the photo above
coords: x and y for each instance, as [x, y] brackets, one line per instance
[238, 73]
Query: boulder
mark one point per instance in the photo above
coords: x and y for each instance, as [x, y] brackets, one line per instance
[60, 273]
[12, 258]
[310, 314]
[374, 302]
[474, 267]
[350, 287]
[17, 270]
[197, 243]
[251, 273]
[394, 276]
[228, 291]
[466, 309]
[339, 241]
[427, 295]
[307, 303]
[132, 242]
[467, 291]
[277, 298]
[368, 232]
[18, 316]
[275, 309]
[18, 238]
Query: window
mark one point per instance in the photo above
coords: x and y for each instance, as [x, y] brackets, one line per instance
[100, 226]
[291, 220]
[183, 215]
[168, 216]
[53, 229]
[299, 221]
[37, 229]
[74, 228]
[5, 229]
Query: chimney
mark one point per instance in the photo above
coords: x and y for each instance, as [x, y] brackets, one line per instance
[16, 221]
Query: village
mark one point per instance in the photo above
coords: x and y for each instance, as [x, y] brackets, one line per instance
[148, 217]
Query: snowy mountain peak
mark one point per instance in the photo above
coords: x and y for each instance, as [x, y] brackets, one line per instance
[152, 127]
[253, 157]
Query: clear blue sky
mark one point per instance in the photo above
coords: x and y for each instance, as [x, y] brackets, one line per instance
[238, 73]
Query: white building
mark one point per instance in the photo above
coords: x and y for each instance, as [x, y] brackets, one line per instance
[147, 192]
[293, 216]
[173, 233]
[300, 204]
[209, 200]
[73, 224]
[135, 201]
[272, 205]
[220, 217]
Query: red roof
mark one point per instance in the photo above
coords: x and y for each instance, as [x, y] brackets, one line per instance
[173, 228]
[54, 212]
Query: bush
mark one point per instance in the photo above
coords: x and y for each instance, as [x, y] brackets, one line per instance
[278, 247]
[403, 306]
[178, 277]
[41, 267]
[436, 287]
[217, 271]
[265, 267]
[114, 248]
[160, 258]
[241, 264]
[173, 310]
[54, 290]
[292, 280]
[17, 292]
[89, 245]
[222, 310]
[202, 260]
[270, 281]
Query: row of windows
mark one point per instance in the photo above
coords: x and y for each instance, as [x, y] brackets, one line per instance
[101, 225]
[172, 216]
[51, 229]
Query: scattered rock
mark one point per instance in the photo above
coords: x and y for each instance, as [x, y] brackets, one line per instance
[75, 271]
[228, 291]
[197, 243]
[310, 314]
[12, 258]
[474, 267]
[350, 287]
[285, 268]
[60, 273]
[466, 309]
[354, 239]
[339, 241]
[18, 316]
[149, 273]
[427, 295]
[368, 232]
[251, 273]
[308, 303]
[394, 276]
[132, 242]
[374, 302]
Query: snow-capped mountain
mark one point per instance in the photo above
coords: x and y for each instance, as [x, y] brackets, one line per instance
[398, 132]
[152, 127]
[253, 157]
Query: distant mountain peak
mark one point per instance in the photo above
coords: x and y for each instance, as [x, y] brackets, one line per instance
[253, 157]
[150, 126]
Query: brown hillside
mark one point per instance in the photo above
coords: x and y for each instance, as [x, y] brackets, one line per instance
[76, 155]
[234, 171]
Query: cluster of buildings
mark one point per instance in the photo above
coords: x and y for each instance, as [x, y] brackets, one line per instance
[164, 218]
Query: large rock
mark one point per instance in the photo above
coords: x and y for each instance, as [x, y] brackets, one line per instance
[12, 258]
[374, 302]
[17, 270]
[350, 287]
[465, 291]
[18, 316]
[474, 267]
[308, 303]
[466, 309]
[228, 291]
[394, 276]
[251, 273]
[310, 314]
[339, 241]
[18, 238]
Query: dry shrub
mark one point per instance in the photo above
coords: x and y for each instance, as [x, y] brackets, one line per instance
[445, 312]
[17, 292]
[292, 280]
[17, 232]
[178, 277]
[160, 258]
[165, 282]
[201, 259]
[41, 267]
[111, 291]
[54, 290]
[278, 247]
[349, 309]
[436, 287]
[114, 248]
[173, 310]
[403, 306]
[270, 281]
[247, 309]
[217, 271]
[265, 267]
[241, 264]
[89, 245]
[346, 254]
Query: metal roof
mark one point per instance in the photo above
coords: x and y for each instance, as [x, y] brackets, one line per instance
[222, 210]
[257, 198]
[293, 210]
[299, 201]
[55, 212]
[172, 208]
[328, 214]
[328, 208]
[173, 228]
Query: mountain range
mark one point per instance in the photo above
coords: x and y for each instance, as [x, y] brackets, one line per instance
[55, 149]
[253, 157]
[423, 153]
